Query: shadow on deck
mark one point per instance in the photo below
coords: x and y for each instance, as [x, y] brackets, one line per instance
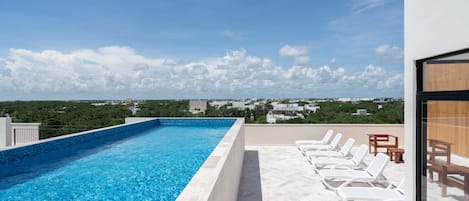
[250, 185]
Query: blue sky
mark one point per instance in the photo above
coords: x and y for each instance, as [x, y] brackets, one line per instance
[200, 49]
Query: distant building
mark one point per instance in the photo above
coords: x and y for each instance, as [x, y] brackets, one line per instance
[361, 112]
[287, 111]
[241, 105]
[287, 107]
[353, 100]
[312, 107]
[276, 115]
[197, 106]
[344, 99]
[384, 100]
[134, 108]
[99, 104]
[126, 101]
[218, 103]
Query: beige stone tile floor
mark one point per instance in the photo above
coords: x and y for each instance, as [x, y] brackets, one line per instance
[434, 190]
[281, 173]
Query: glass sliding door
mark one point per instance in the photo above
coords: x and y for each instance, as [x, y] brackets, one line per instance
[443, 128]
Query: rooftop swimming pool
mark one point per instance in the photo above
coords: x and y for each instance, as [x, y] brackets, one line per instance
[154, 160]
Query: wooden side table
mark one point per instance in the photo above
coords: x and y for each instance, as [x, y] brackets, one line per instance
[396, 155]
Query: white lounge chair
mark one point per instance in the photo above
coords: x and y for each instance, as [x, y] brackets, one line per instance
[343, 152]
[372, 173]
[372, 193]
[325, 140]
[332, 146]
[356, 162]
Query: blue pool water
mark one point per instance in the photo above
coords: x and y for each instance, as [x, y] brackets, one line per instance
[154, 165]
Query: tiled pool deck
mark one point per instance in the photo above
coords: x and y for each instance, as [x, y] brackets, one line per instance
[282, 173]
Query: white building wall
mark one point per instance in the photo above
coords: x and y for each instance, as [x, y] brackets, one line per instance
[5, 132]
[196, 106]
[430, 28]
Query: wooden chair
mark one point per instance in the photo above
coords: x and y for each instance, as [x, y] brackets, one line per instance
[381, 141]
[444, 168]
[438, 148]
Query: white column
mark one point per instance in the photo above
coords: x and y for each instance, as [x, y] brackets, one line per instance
[5, 132]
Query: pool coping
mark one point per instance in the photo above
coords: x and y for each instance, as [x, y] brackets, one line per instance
[219, 177]
[71, 135]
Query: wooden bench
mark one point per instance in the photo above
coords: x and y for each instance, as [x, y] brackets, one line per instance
[381, 141]
[445, 170]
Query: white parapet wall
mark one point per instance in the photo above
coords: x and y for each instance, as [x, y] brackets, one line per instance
[137, 119]
[287, 134]
[24, 133]
[219, 177]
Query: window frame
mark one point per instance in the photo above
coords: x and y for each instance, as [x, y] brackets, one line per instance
[422, 97]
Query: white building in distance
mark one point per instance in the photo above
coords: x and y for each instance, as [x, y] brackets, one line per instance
[197, 106]
[134, 108]
[218, 103]
[276, 115]
[242, 105]
[361, 112]
[287, 107]
[312, 107]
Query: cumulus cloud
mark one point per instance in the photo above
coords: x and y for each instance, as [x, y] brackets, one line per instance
[293, 51]
[299, 53]
[121, 70]
[374, 77]
[389, 53]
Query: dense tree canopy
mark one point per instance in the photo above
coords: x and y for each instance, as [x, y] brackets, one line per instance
[64, 117]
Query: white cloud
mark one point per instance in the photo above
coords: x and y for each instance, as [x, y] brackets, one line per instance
[360, 6]
[293, 51]
[389, 53]
[299, 53]
[228, 33]
[374, 77]
[302, 59]
[121, 70]
[233, 35]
